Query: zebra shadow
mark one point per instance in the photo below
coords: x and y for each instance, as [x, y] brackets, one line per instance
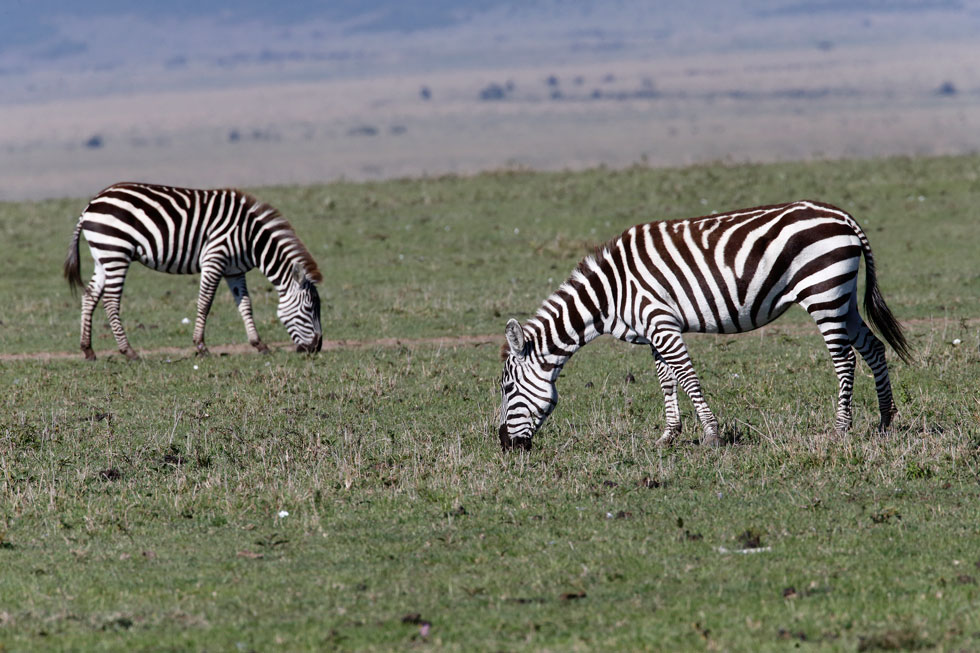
[730, 434]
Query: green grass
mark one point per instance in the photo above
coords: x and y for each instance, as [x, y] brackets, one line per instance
[460, 255]
[139, 502]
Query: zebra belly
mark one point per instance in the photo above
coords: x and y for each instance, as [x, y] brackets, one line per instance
[168, 267]
[739, 322]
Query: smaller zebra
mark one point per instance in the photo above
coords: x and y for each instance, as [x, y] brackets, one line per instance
[218, 233]
[726, 273]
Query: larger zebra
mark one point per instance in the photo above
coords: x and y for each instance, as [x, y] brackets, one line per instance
[724, 273]
[220, 233]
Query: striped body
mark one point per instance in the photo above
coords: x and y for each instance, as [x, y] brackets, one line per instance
[218, 234]
[724, 273]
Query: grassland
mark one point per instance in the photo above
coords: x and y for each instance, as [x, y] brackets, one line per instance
[142, 504]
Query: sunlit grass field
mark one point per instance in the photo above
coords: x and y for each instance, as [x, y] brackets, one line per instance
[358, 499]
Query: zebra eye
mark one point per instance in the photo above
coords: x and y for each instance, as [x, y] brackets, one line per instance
[508, 388]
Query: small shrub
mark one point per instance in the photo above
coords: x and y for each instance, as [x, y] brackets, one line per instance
[493, 92]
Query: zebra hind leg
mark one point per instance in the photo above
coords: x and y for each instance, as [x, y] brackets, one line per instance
[835, 335]
[872, 350]
[90, 299]
[111, 299]
[668, 383]
[674, 352]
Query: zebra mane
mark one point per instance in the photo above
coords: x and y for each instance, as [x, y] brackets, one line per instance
[579, 276]
[269, 215]
[594, 257]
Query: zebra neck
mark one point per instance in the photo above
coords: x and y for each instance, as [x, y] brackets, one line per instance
[276, 261]
[560, 328]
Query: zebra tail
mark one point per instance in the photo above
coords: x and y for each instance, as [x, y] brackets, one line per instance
[72, 270]
[879, 314]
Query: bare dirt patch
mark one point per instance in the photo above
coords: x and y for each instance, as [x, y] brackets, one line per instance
[245, 348]
[789, 328]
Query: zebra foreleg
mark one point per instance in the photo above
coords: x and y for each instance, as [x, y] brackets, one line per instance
[90, 299]
[239, 290]
[872, 351]
[210, 278]
[672, 349]
[111, 300]
[668, 383]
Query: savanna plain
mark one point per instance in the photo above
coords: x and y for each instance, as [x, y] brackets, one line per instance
[358, 499]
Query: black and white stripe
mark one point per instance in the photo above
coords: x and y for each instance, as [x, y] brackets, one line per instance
[220, 233]
[724, 273]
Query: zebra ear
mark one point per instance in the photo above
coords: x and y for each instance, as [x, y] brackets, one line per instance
[515, 337]
[298, 273]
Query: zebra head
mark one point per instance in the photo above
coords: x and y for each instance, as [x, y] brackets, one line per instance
[527, 389]
[299, 311]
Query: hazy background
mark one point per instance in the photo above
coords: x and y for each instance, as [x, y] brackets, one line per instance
[247, 93]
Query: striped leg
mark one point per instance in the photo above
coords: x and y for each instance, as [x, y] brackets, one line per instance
[115, 277]
[211, 274]
[668, 383]
[240, 291]
[90, 299]
[873, 352]
[670, 345]
[832, 318]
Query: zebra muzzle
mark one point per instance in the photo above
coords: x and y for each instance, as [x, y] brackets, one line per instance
[312, 347]
[508, 443]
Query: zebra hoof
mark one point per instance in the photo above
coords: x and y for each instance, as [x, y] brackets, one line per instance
[89, 354]
[667, 438]
[884, 426]
[711, 437]
[202, 351]
[131, 354]
[712, 441]
[886, 420]
[261, 347]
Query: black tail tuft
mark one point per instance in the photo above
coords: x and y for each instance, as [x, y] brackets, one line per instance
[72, 270]
[880, 315]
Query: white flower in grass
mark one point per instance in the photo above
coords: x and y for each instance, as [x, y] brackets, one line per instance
[956, 341]
[283, 514]
[186, 320]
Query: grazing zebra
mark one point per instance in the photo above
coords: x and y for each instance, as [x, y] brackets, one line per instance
[217, 233]
[725, 273]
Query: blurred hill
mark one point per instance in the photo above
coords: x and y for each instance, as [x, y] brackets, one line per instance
[252, 93]
[55, 49]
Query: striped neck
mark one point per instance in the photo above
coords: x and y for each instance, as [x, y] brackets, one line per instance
[273, 256]
[566, 322]
[275, 248]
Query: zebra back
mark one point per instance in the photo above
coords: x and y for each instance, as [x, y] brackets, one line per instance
[169, 227]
